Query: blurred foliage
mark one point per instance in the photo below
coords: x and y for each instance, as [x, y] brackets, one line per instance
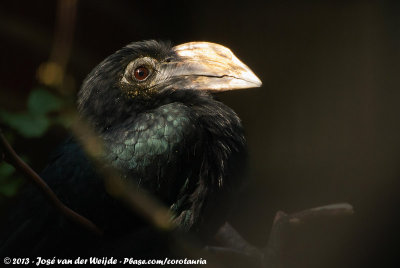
[36, 120]
[43, 110]
[8, 183]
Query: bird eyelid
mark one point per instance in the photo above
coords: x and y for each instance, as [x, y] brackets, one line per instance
[146, 62]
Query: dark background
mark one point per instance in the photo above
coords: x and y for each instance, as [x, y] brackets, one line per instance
[323, 128]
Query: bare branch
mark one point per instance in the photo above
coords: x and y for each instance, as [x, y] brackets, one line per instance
[10, 156]
[274, 249]
[234, 246]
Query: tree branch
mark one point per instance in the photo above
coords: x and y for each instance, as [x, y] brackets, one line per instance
[11, 157]
[274, 248]
[237, 248]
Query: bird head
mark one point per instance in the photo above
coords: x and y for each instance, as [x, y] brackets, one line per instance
[135, 77]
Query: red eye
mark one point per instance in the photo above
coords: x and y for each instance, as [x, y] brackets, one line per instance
[141, 73]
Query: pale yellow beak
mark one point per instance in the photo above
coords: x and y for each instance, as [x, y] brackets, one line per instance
[210, 66]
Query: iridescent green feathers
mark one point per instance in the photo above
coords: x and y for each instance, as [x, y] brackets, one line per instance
[156, 136]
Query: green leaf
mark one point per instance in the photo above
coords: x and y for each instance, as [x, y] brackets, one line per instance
[28, 125]
[41, 101]
[6, 170]
[65, 120]
[11, 187]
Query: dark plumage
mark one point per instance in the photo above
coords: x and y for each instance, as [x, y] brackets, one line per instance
[166, 133]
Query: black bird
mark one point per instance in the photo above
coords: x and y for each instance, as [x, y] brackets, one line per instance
[150, 105]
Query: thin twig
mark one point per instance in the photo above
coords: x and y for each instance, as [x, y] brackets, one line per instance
[10, 156]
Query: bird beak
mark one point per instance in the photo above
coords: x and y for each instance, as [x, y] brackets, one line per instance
[211, 67]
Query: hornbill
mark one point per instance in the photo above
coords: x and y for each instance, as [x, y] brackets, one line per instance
[152, 107]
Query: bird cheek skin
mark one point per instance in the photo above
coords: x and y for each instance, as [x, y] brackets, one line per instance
[133, 92]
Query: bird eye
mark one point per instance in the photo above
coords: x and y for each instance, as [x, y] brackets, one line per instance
[141, 73]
